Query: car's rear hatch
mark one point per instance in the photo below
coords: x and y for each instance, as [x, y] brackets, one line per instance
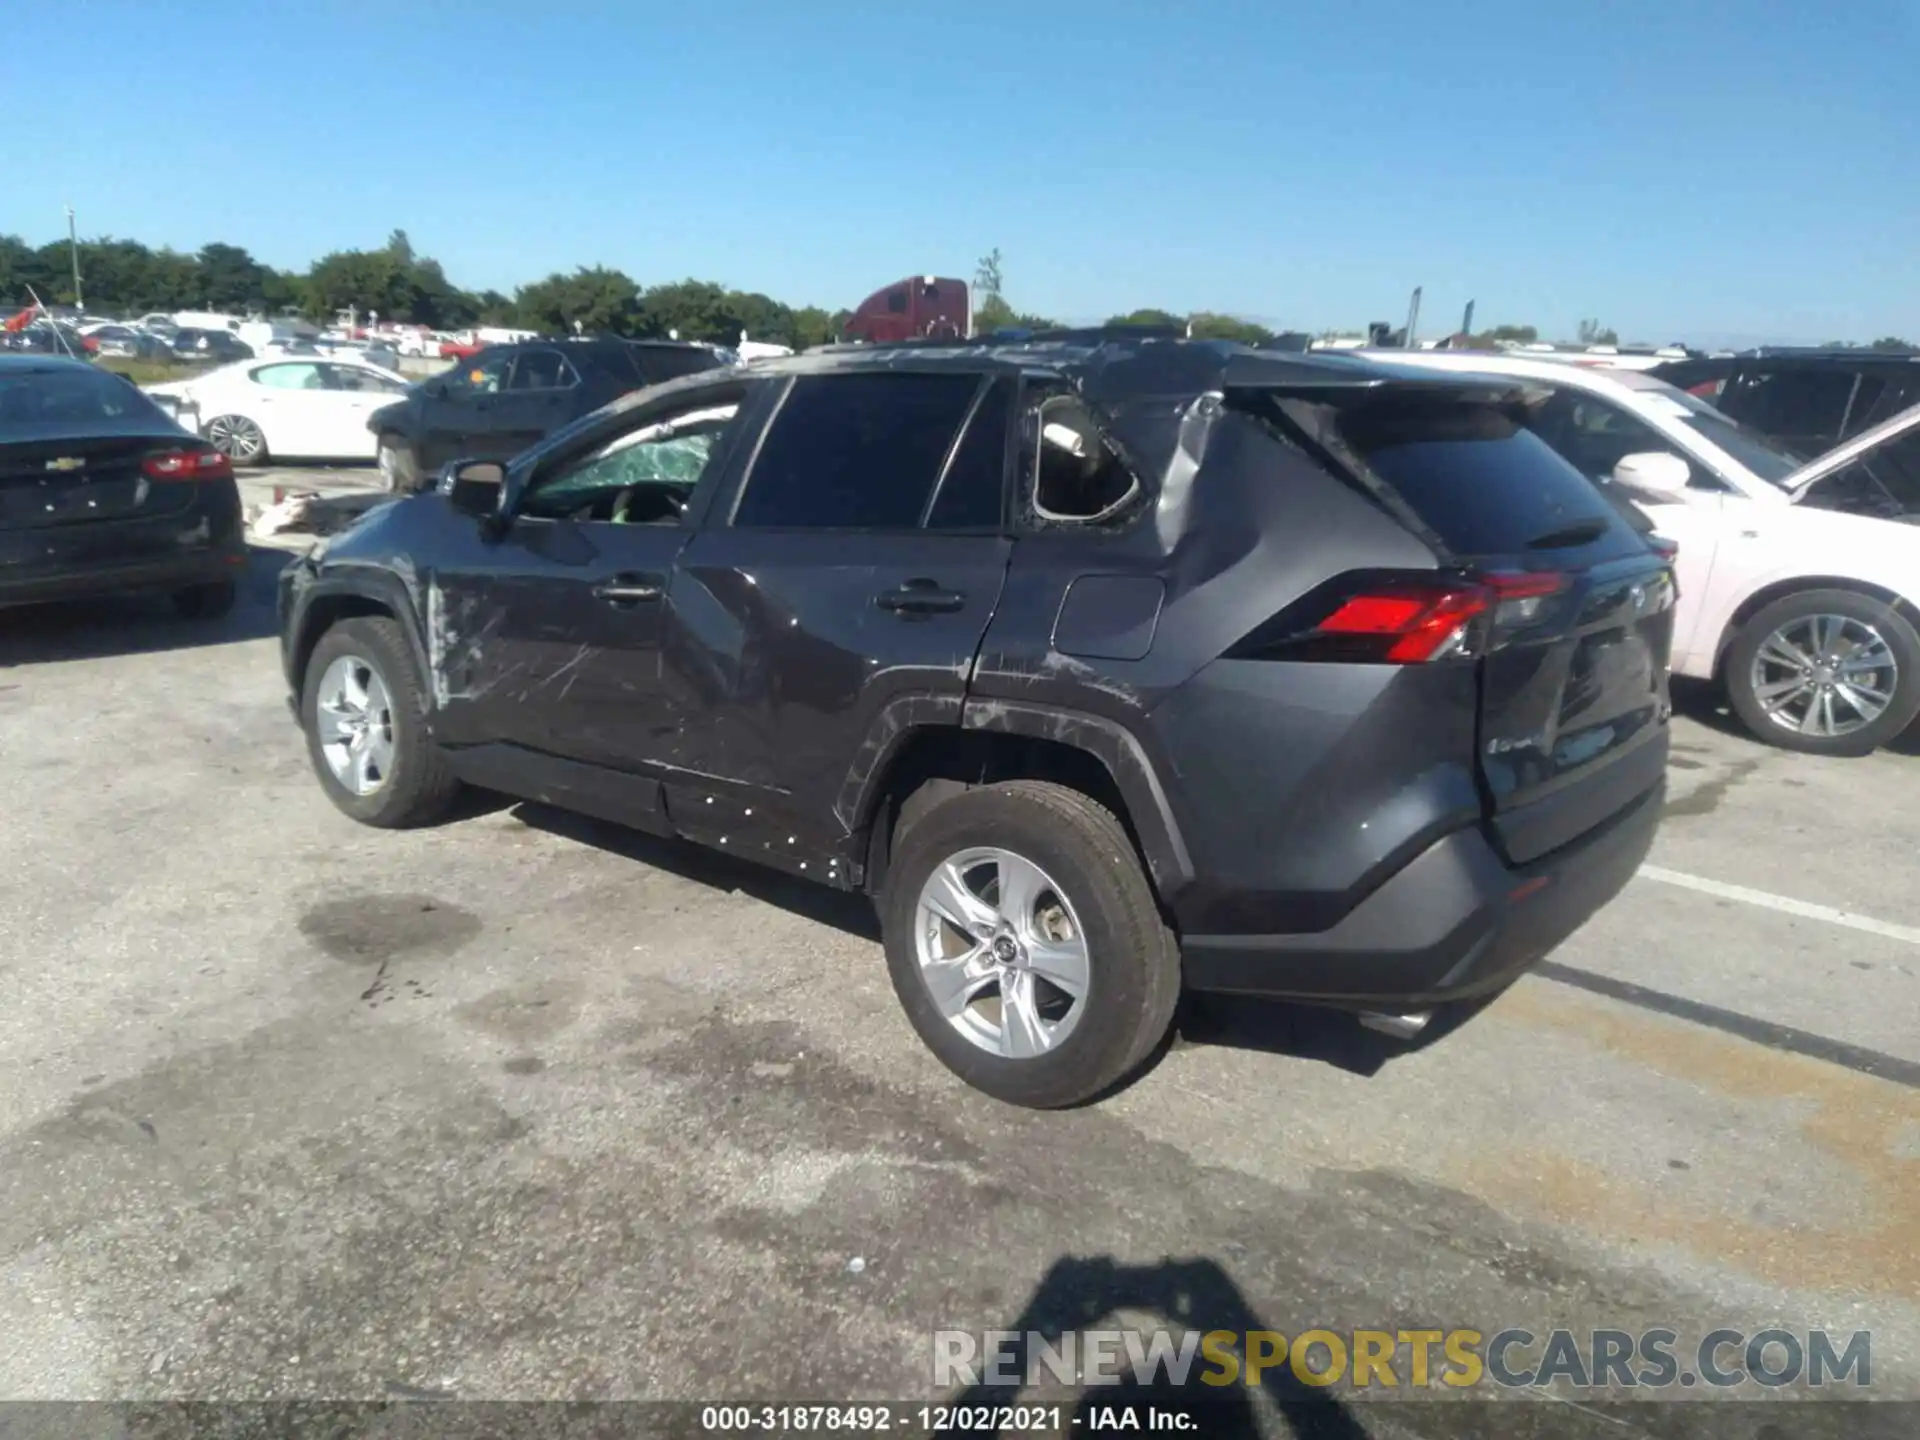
[1573, 642]
[85, 480]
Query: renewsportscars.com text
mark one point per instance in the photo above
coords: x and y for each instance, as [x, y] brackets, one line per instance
[1414, 1359]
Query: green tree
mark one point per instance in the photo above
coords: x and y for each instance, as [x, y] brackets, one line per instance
[813, 326]
[1158, 318]
[988, 280]
[1207, 326]
[594, 298]
[1519, 334]
[365, 280]
[994, 313]
[493, 308]
[692, 310]
[1892, 342]
[230, 278]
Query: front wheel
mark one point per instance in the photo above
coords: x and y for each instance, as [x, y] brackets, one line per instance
[1025, 944]
[1826, 672]
[365, 714]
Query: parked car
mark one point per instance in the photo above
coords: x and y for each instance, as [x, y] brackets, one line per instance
[508, 397]
[1104, 668]
[1808, 401]
[285, 407]
[211, 346]
[1799, 580]
[127, 342]
[47, 337]
[101, 492]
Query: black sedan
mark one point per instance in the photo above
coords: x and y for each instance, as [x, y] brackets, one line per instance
[219, 347]
[100, 492]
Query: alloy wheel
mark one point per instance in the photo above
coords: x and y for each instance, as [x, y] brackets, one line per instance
[236, 437]
[1824, 675]
[1002, 953]
[353, 715]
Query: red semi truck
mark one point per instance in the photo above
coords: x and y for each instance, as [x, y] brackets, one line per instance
[920, 307]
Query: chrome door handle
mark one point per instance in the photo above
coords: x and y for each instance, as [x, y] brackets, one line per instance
[615, 593]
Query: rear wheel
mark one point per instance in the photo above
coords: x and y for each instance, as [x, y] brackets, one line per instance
[237, 438]
[1827, 672]
[365, 714]
[206, 602]
[1025, 944]
[399, 466]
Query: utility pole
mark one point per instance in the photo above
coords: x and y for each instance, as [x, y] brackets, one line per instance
[73, 249]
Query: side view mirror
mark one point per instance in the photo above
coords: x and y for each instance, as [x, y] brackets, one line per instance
[1653, 472]
[474, 487]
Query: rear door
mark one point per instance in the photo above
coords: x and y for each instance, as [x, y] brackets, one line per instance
[1573, 675]
[353, 393]
[856, 565]
[661, 363]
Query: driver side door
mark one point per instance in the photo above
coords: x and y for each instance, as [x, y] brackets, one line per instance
[573, 596]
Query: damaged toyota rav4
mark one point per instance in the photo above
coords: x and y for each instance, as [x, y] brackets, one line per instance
[1107, 667]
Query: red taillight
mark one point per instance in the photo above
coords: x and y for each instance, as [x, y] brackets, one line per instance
[89, 344]
[1411, 626]
[1667, 550]
[1401, 620]
[1706, 389]
[187, 465]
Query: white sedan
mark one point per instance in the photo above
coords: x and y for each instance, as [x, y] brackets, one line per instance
[1799, 581]
[288, 407]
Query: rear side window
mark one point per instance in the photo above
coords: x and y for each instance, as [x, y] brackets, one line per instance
[973, 494]
[665, 362]
[857, 452]
[542, 370]
[1794, 404]
[1480, 480]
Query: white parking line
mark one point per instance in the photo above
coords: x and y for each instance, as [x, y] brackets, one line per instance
[1786, 905]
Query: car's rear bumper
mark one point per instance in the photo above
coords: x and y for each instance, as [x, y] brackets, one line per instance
[201, 545]
[1454, 923]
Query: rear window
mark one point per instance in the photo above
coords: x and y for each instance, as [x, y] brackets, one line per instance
[32, 400]
[1480, 480]
[670, 362]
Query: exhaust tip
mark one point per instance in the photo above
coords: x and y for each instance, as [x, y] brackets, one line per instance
[1401, 1027]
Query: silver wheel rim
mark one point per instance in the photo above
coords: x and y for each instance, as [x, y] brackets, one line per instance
[236, 437]
[1824, 675]
[353, 716]
[1002, 952]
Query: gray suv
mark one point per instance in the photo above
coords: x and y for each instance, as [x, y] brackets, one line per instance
[1107, 668]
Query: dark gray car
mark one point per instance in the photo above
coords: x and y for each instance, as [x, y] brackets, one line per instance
[1105, 668]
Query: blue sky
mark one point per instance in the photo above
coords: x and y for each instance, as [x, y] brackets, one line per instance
[1719, 170]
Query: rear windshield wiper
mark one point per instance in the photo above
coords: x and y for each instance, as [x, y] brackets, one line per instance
[1581, 532]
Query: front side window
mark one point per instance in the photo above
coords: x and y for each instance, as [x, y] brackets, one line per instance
[484, 374]
[858, 451]
[644, 477]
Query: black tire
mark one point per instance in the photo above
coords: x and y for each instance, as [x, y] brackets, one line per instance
[421, 787]
[206, 602]
[399, 466]
[1901, 640]
[1134, 958]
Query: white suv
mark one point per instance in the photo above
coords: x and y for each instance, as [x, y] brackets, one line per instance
[1799, 581]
